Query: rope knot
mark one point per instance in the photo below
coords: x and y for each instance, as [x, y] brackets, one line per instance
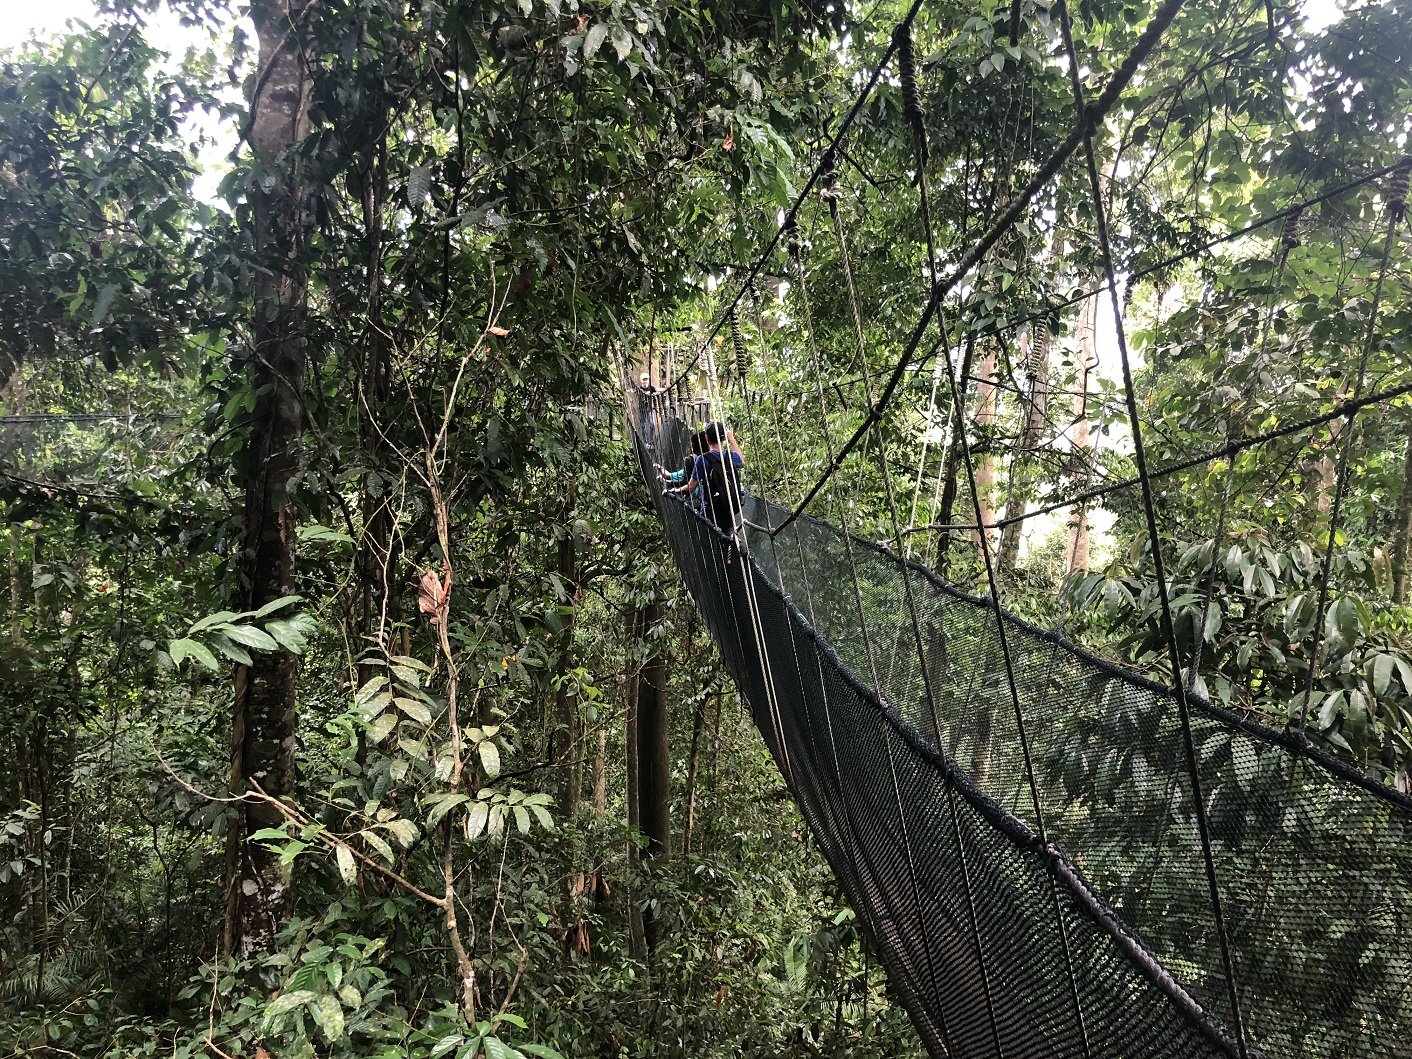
[742, 354]
[829, 189]
[1289, 234]
[911, 95]
[1397, 188]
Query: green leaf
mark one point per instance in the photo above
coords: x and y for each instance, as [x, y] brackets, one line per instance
[380, 728]
[447, 1044]
[1329, 712]
[1404, 673]
[476, 818]
[104, 302]
[266, 834]
[593, 40]
[218, 618]
[368, 690]
[274, 605]
[347, 867]
[378, 843]
[322, 533]
[522, 819]
[495, 1048]
[443, 805]
[1380, 673]
[1342, 622]
[283, 1005]
[542, 1051]
[291, 633]
[234, 652]
[1213, 623]
[250, 637]
[183, 648]
[403, 830]
[545, 820]
[328, 1013]
[489, 758]
[622, 43]
[413, 709]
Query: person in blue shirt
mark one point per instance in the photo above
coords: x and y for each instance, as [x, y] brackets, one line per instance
[673, 478]
[716, 473]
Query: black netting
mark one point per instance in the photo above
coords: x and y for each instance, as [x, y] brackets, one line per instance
[901, 742]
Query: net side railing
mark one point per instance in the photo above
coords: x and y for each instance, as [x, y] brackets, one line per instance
[911, 792]
[957, 893]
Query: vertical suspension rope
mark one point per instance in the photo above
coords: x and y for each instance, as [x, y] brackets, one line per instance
[1396, 210]
[903, 40]
[958, 401]
[1087, 120]
[831, 195]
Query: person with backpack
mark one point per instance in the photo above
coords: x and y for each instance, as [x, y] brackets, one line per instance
[718, 471]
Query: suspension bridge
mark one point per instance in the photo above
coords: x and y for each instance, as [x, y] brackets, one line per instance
[1054, 855]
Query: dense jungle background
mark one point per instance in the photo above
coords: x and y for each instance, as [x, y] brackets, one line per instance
[351, 702]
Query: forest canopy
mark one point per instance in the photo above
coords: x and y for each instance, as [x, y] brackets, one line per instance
[354, 704]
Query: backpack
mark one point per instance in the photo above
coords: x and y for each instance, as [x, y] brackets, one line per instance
[722, 487]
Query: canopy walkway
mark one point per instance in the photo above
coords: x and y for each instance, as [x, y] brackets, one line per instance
[1055, 857]
[1096, 939]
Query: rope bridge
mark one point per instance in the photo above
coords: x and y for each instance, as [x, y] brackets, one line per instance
[1053, 855]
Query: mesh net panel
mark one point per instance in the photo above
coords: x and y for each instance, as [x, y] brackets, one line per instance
[1104, 944]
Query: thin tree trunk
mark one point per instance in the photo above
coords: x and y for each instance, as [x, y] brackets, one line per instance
[565, 730]
[693, 766]
[1402, 530]
[600, 775]
[376, 553]
[984, 460]
[259, 898]
[1035, 350]
[636, 935]
[946, 511]
[1076, 546]
[653, 758]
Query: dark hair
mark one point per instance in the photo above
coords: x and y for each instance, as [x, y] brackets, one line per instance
[699, 444]
[715, 433]
[688, 463]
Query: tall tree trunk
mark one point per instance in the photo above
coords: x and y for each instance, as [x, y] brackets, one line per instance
[376, 552]
[693, 769]
[1034, 348]
[984, 459]
[1076, 546]
[258, 886]
[1402, 530]
[566, 736]
[632, 687]
[653, 758]
[946, 510]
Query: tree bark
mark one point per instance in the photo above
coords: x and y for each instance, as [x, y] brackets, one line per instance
[259, 898]
[653, 758]
[1034, 349]
[947, 508]
[648, 757]
[1076, 546]
[1402, 530]
[984, 460]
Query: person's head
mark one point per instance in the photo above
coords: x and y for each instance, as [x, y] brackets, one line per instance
[688, 463]
[698, 443]
[644, 380]
[715, 434]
